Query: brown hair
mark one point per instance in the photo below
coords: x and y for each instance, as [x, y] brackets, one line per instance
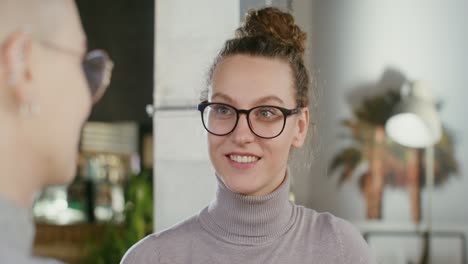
[272, 33]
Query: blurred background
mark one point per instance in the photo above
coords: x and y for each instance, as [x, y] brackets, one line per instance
[408, 204]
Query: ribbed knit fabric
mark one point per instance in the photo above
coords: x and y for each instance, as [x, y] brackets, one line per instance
[245, 229]
[248, 220]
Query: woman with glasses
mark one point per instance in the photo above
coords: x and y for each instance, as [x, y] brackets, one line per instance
[47, 86]
[255, 111]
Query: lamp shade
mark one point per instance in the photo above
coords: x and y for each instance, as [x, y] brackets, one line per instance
[415, 122]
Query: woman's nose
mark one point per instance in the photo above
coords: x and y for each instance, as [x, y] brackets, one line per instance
[242, 133]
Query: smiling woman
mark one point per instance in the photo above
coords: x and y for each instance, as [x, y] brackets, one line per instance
[268, 83]
[256, 110]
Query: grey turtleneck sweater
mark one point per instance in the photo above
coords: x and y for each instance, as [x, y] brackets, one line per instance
[246, 229]
[17, 236]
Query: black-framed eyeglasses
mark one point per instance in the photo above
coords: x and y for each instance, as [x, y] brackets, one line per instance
[265, 121]
[97, 67]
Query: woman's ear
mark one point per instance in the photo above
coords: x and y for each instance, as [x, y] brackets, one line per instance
[302, 128]
[15, 60]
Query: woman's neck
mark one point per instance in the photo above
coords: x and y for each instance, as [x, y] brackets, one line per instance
[249, 219]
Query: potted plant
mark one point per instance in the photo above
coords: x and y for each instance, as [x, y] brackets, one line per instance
[388, 163]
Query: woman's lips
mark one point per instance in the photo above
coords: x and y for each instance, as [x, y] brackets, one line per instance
[242, 161]
[243, 158]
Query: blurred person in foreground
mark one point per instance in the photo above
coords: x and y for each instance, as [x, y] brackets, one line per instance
[48, 83]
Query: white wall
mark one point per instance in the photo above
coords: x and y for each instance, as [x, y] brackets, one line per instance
[188, 36]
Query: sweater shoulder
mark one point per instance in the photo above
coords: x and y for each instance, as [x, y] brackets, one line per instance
[353, 247]
[321, 221]
[337, 233]
[317, 224]
[148, 249]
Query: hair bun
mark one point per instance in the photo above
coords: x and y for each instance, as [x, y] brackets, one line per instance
[273, 23]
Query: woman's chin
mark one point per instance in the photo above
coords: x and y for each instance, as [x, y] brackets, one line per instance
[242, 186]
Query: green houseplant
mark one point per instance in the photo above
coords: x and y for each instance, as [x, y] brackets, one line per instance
[118, 238]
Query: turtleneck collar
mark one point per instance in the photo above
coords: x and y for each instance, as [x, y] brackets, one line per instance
[249, 220]
[17, 227]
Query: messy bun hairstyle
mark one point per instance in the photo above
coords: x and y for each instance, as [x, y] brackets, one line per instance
[272, 33]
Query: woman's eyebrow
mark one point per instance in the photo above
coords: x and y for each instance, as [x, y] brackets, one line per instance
[222, 96]
[259, 101]
[268, 98]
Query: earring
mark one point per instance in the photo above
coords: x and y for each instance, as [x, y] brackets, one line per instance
[28, 110]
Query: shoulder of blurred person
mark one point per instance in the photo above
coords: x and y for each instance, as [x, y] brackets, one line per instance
[16, 236]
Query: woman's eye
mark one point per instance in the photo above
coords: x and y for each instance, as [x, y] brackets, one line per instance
[267, 113]
[222, 110]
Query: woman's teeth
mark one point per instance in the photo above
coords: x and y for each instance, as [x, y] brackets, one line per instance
[243, 159]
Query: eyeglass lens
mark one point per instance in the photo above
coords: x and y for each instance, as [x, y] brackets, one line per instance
[264, 121]
[97, 67]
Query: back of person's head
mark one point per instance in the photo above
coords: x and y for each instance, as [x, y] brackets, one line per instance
[42, 18]
[272, 33]
[44, 96]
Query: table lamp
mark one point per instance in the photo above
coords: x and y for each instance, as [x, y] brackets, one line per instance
[415, 123]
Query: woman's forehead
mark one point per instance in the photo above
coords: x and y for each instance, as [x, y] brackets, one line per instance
[243, 77]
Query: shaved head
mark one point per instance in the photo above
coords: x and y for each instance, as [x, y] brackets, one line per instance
[44, 95]
[41, 18]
